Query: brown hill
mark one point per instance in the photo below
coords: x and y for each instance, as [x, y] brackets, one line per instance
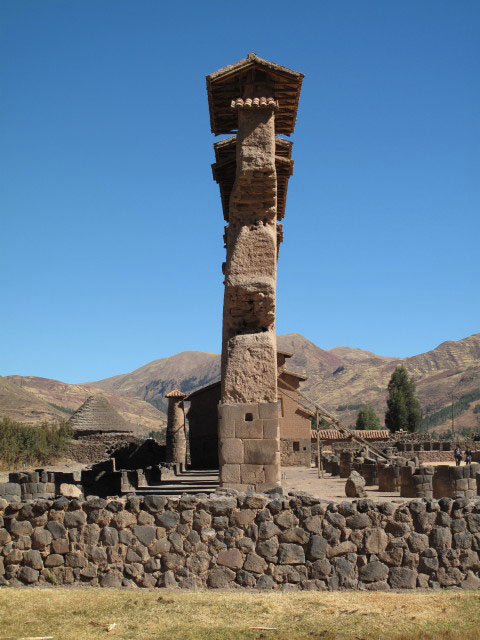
[337, 379]
[187, 371]
[452, 367]
[340, 377]
[32, 399]
[307, 356]
[19, 404]
[351, 354]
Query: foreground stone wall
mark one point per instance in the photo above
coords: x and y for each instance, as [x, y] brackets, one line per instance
[230, 541]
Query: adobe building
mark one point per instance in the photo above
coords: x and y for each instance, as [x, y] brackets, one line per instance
[294, 421]
[258, 100]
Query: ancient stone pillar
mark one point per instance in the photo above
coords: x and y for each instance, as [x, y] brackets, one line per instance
[176, 440]
[249, 439]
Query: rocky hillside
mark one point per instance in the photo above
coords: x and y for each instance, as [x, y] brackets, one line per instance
[341, 379]
[186, 371]
[31, 399]
[450, 368]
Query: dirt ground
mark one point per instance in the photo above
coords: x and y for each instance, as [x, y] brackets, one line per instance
[328, 488]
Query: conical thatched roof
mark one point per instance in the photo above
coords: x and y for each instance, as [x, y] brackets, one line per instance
[97, 414]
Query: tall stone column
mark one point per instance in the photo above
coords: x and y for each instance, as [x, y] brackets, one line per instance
[248, 416]
[176, 439]
[248, 428]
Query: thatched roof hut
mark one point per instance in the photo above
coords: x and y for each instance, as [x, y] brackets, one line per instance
[96, 415]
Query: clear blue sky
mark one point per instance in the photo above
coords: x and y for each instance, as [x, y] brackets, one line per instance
[111, 225]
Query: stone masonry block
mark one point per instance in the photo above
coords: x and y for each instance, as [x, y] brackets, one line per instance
[231, 451]
[252, 474]
[261, 451]
[226, 429]
[249, 429]
[273, 472]
[237, 411]
[227, 414]
[268, 410]
[230, 473]
[271, 428]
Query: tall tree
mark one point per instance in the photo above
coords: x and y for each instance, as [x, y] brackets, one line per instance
[403, 408]
[367, 419]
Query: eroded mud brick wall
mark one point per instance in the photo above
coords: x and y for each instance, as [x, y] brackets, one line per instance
[250, 442]
[242, 97]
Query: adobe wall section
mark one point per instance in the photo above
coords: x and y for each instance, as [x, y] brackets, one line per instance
[244, 540]
[295, 452]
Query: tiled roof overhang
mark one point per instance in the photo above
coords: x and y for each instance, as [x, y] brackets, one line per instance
[335, 434]
[228, 84]
[224, 171]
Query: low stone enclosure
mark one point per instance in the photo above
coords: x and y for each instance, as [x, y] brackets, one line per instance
[130, 469]
[235, 540]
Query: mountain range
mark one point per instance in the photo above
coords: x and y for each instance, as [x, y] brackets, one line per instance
[341, 379]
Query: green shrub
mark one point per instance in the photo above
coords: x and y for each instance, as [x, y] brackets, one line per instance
[349, 407]
[28, 444]
[159, 435]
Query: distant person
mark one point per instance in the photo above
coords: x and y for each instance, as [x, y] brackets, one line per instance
[468, 457]
[458, 456]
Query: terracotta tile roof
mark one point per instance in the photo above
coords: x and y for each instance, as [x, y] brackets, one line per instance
[175, 393]
[229, 83]
[334, 434]
[263, 102]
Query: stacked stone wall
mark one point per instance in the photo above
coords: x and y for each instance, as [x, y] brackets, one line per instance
[244, 540]
[434, 456]
[416, 482]
[368, 471]
[92, 448]
[345, 463]
[456, 481]
[290, 457]
[388, 477]
[28, 486]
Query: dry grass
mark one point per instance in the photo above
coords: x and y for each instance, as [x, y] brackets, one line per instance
[80, 614]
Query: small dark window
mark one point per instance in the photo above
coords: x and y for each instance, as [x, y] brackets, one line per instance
[296, 446]
[249, 417]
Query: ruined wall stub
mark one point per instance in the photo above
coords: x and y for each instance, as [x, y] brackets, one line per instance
[244, 97]
[175, 436]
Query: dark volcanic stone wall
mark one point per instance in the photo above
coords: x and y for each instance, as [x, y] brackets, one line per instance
[229, 541]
